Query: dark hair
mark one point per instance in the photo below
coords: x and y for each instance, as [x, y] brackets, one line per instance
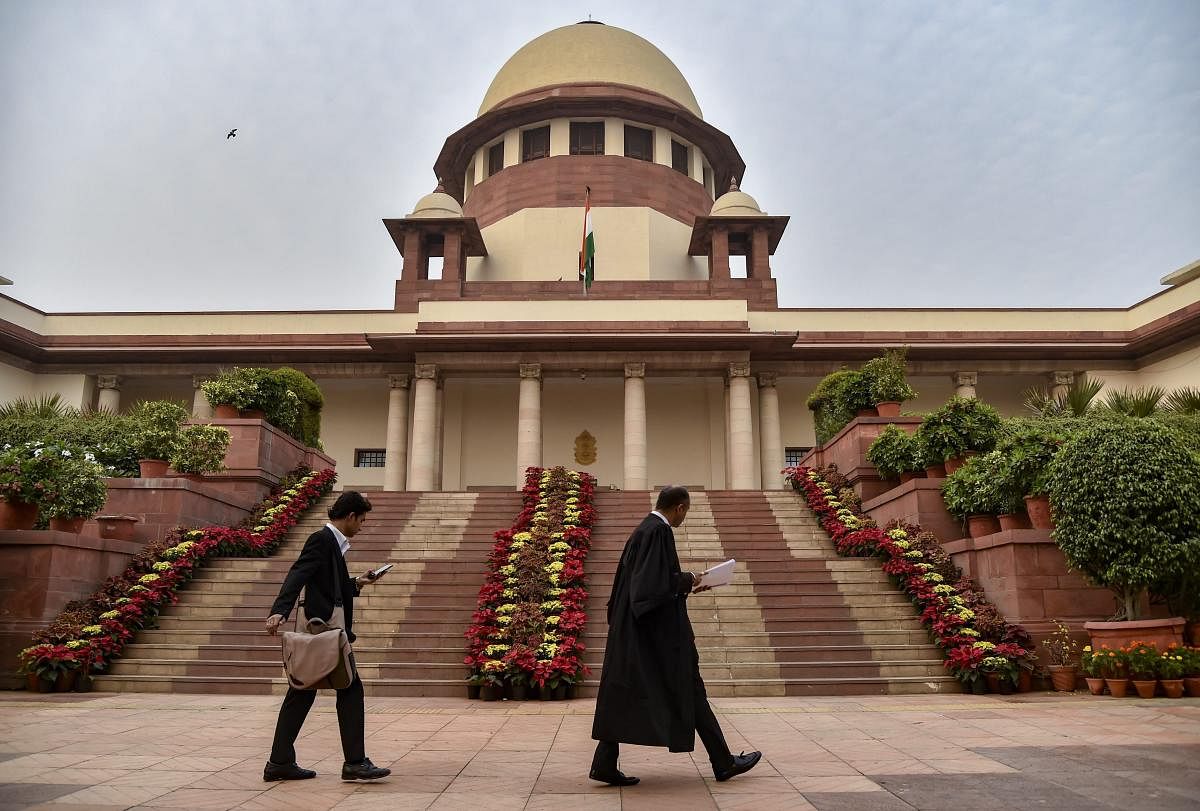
[671, 496]
[350, 502]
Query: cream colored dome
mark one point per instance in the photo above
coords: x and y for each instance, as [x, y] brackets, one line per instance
[589, 53]
[437, 204]
[735, 203]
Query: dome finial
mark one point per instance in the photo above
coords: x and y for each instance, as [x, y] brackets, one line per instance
[733, 186]
[441, 187]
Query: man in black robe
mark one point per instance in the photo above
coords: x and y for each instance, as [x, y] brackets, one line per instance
[651, 693]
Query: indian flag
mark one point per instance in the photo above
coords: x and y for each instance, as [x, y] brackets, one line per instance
[587, 255]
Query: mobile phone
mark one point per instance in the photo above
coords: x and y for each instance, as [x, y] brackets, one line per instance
[376, 573]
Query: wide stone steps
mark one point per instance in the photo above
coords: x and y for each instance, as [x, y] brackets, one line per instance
[797, 620]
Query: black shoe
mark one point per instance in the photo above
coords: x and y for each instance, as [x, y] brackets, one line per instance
[363, 771]
[288, 771]
[741, 764]
[614, 779]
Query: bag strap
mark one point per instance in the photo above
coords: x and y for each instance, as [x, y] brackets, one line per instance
[337, 579]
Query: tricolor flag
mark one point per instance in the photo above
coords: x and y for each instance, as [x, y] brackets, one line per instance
[587, 255]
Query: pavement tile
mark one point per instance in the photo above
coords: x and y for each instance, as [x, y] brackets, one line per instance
[199, 799]
[16, 795]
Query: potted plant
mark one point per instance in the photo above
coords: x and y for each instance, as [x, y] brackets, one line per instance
[1115, 670]
[836, 400]
[25, 471]
[201, 449]
[887, 385]
[1031, 445]
[76, 493]
[1126, 514]
[894, 453]
[1092, 665]
[975, 493]
[1171, 667]
[231, 392]
[474, 683]
[1143, 668]
[518, 685]
[492, 687]
[157, 427]
[1191, 671]
[1000, 672]
[1062, 651]
[961, 426]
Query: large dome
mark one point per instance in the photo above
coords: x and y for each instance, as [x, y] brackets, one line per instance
[589, 53]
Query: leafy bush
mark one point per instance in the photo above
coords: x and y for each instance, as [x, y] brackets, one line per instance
[288, 398]
[1126, 502]
[308, 418]
[77, 490]
[1184, 425]
[157, 425]
[108, 436]
[886, 378]
[893, 452]
[959, 426]
[982, 486]
[836, 401]
[1030, 444]
[200, 449]
[27, 469]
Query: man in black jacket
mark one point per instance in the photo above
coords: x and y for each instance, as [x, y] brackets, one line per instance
[651, 693]
[321, 571]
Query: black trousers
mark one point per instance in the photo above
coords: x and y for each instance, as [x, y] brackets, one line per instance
[351, 714]
[604, 761]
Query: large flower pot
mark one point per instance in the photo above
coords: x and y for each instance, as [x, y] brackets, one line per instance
[1095, 686]
[1063, 678]
[1145, 687]
[953, 465]
[490, 692]
[153, 468]
[1038, 508]
[65, 682]
[866, 412]
[1116, 635]
[888, 408]
[225, 412]
[117, 527]
[935, 471]
[1024, 681]
[1173, 688]
[17, 514]
[998, 683]
[253, 413]
[1192, 685]
[981, 525]
[1117, 687]
[1192, 634]
[71, 525]
[1013, 521]
[907, 476]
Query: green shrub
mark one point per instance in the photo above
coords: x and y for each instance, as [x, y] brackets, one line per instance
[77, 490]
[308, 421]
[893, 452]
[1184, 425]
[157, 425]
[200, 449]
[1126, 500]
[288, 398]
[886, 378]
[1030, 444]
[959, 426]
[982, 486]
[836, 400]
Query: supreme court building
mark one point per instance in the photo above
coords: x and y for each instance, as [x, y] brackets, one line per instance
[677, 366]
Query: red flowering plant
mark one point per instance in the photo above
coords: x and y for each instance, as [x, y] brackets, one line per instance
[970, 630]
[89, 633]
[530, 614]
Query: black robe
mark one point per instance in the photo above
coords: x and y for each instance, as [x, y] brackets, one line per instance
[650, 660]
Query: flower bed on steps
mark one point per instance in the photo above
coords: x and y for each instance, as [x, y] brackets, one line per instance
[89, 633]
[531, 612]
[973, 636]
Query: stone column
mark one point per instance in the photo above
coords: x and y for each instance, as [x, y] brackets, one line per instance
[439, 432]
[529, 420]
[771, 432]
[635, 427]
[759, 265]
[395, 461]
[728, 440]
[741, 428]
[1061, 383]
[424, 427]
[718, 258]
[200, 406]
[109, 398]
[964, 384]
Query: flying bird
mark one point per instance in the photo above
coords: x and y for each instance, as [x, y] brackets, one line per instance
[232, 134]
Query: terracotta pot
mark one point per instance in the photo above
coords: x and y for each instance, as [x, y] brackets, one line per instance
[117, 527]
[1192, 685]
[65, 682]
[952, 465]
[489, 692]
[1095, 686]
[252, 413]
[935, 472]
[1038, 508]
[888, 408]
[1024, 681]
[1117, 687]
[907, 476]
[1063, 678]
[473, 691]
[998, 683]
[1009, 521]
[1144, 688]
[153, 468]
[71, 525]
[225, 412]
[981, 525]
[1173, 688]
[1116, 635]
[1192, 634]
[17, 514]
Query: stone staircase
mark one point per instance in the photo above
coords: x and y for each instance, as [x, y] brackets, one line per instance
[797, 620]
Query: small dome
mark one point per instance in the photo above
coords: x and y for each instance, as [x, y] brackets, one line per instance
[437, 204]
[589, 52]
[735, 203]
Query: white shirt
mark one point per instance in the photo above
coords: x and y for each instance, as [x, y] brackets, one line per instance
[660, 515]
[342, 540]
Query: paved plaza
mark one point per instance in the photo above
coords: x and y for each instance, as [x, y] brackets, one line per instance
[117, 751]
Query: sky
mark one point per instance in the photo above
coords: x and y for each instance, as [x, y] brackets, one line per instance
[929, 154]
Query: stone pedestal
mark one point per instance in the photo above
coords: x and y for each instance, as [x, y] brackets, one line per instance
[848, 450]
[160, 504]
[916, 502]
[259, 456]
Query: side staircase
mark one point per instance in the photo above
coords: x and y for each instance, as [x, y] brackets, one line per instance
[797, 620]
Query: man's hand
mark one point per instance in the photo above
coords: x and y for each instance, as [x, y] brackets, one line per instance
[369, 577]
[697, 579]
[273, 623]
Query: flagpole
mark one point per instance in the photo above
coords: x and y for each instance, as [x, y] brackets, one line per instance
[587, 204]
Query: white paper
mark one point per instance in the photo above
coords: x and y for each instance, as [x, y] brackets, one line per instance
[719, 575]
